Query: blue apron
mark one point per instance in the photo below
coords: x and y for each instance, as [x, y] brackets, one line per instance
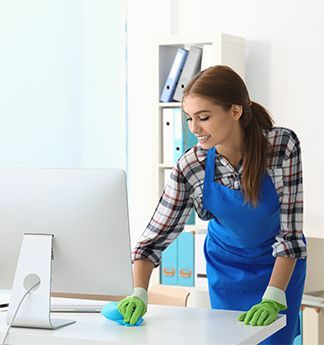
[239, 254]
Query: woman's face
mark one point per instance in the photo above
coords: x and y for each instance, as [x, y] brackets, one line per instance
[209, 122]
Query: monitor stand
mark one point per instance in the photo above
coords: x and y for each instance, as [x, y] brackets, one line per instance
[34, 265]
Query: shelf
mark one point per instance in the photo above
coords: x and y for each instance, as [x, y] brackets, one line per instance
[181, 40]
[197, 229]
[166, 166]
[189, 288]
[170, 105]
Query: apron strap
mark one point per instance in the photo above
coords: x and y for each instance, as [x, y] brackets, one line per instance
[210, 165]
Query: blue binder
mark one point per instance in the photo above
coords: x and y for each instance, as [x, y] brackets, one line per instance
[174, 75]
[183, 139]
[186, 260]
[191, 219]
[189, 139]
[169, 265]
[177, 267]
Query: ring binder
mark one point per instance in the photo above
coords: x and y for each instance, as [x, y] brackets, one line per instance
[191, 67]
[174, 75]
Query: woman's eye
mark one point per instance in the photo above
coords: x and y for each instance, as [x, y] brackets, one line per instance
[200, 118]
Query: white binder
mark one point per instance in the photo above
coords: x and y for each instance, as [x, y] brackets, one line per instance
[174, 75]
[168, 129]
[167, 174]
[200, 261]
[191, 67]
[201, 224]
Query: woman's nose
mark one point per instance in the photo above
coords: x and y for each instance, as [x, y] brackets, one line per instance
[195, 128]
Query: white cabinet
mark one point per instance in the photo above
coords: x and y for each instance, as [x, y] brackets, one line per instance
[313, 326]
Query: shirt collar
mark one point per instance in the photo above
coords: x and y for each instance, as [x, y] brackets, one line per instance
[202, 153]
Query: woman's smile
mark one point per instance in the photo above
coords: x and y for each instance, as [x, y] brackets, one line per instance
[203, 138]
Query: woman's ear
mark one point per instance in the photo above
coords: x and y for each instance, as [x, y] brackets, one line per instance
[237, 111]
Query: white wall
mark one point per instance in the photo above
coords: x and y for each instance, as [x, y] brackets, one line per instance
[62, 89]
[284, 72]
[103, 84]
[146, 20]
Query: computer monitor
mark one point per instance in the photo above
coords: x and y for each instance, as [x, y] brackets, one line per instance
[83, 215]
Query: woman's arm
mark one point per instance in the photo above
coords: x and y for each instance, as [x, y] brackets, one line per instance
[282, 271]
[142, 273]
[168, 220]
[289, 241]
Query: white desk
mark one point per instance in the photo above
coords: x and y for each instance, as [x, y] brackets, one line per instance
[163, 325]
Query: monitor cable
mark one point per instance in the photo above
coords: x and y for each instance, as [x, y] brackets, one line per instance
[16, 311]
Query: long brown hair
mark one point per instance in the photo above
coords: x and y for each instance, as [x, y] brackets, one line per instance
[223, 86]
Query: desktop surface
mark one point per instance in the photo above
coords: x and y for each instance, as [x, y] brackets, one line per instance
[163, 325]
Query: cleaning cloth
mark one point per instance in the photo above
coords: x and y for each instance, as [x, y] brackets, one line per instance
[111, 312]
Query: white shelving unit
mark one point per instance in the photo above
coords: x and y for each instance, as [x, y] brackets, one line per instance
[223, 49]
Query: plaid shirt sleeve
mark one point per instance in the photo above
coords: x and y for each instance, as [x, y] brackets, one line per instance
[168, 220]
[289, 241]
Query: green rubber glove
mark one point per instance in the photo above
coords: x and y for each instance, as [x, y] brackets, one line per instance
[133, 307]
[266, 312]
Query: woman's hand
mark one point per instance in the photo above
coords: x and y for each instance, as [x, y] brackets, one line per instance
[133, 307]
[266, 312]
[262, 314]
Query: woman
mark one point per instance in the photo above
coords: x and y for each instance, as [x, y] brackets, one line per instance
[245, 177]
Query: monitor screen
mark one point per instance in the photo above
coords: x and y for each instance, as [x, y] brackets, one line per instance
[86, 211]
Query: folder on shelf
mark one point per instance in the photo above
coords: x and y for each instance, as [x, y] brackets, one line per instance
[177, 267]
[178, 148]
[191, 219]
[189, 139]
[183, 138]
[186, 259]
[174, 75]
[169, 265]
[191, 67]
[167, 135]
[176, 135]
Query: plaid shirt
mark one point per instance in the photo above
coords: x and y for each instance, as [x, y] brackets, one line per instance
[184, 191]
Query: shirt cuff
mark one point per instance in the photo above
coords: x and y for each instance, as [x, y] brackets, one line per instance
[140, 293]
[275, 294]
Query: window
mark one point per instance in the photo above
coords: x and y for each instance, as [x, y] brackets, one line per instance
[63, 83]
